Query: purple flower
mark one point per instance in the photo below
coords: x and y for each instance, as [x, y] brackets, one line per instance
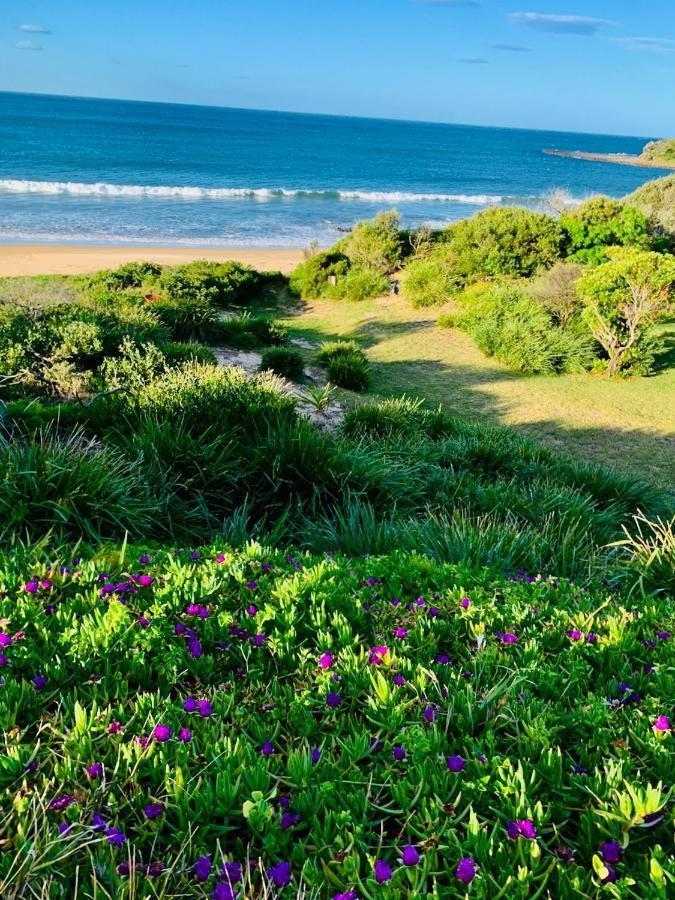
[280, 875]
[377, 655]
[114, 727]
[231, 872]
[39, 682]
[252, 585]
[611, 851]
[97, 822]
[143, 621]
[662, 723]
[465, 603]
[190, 705]
[316, 755]
[115, 837]
[326, 660]
[401, 632]
[195, 648]
[252, 609]
[161, 733]
[32, 587]
[63, 801]
[521, 828]
[333, 700]
[591, 638]
[153, 810]
[398, 752]
[347, 895]
[95, 770]
[205, 709]
[466, 870]
[663, 635]
[429, 713]
[222, 891]
[5, 639]
[399, 680]
[184, 736]
[267, 748]
[382, 871]
[455, 763]
[509, 638]
[611, 875]
[202, 868]
[574, 634]
[410, 856]
[288, 820]
[65, 828]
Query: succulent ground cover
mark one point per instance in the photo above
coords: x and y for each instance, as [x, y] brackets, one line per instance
[249, 723]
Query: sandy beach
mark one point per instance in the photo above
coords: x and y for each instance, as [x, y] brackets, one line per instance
[55, 259]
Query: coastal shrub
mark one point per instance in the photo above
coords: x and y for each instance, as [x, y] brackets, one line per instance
[283, 361]
[247, 331]
[599, 223]
[220, 284]
[557, 291]
[656, 200]
[624, 297]
[401, 417]
[454, 686]
[508, 324]
[70, 487]
[350, 371]
[314, 277]
[361, 283]
[505, 241]
[188, 319]
[130, 275]
[375, 244]
[176, 353]
[330, 349]
[447, 319]
[432, 279]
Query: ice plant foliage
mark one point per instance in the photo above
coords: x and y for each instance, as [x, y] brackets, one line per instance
[364, 729]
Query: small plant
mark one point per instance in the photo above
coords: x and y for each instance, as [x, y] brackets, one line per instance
[350, 371]
[447, 319]
[319, 397]
[283, 361]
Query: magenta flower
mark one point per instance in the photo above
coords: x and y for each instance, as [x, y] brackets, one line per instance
[611, 851]
[143, 621]
[252, 585]
[574, 634]
[521, 828]
[252, 609]
[326, 660]
[184, 736]
[161, 733]
[509, 638]
[95, 770]
[190, 705]
[466, 870]
[410, 856]
[32, 587]
[280, 875]
[114, 727]
[465, 603]
[401, 632]
[5, 639]
[153, 810]
[377, 655]
[333, 700]
[455, 763]
[662, 723]
[202, 868]
[205, 709]
[346, 895]
[382, 871]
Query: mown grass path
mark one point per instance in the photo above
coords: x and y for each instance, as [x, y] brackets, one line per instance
[629, 425]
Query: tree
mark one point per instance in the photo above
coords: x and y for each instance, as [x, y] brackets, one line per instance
[376, 244]
[624, 297]
[600, 223]
[506, 240]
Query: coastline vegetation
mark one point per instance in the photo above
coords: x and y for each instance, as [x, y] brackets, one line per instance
[243, 656]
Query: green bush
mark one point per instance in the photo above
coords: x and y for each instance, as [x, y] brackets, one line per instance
[350, 371]
[599, 223]
[401, 417]
[656, 200]
[69, 486]
[376, 245]
[188, 319]
[220, 284]
[283, 361]
[330, 349]
[247, 331]
[511, 326]
[505, 241]
[130, 275]
[177, 353]
[431, 280]
[361, 283]
[447, 319]
[311, 278]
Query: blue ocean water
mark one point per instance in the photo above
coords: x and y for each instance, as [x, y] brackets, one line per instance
[109, 171]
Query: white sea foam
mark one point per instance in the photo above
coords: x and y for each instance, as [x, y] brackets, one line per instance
[104, 189]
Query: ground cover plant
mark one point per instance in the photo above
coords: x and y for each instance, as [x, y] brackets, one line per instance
[229, 723]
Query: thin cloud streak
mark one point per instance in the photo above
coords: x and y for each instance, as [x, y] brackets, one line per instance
[585, 26]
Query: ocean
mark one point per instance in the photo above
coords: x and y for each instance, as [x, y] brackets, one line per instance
[76, 170]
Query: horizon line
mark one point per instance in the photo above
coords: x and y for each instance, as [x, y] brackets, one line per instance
[291, 112]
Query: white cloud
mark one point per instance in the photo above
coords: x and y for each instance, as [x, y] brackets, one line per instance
[34, 29]
[584, 25]
[27, 45]
[648, 44]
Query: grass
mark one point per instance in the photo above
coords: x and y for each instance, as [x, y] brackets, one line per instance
[628, 425]
[252, 707]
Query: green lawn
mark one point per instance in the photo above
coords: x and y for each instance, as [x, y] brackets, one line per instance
[627, 424]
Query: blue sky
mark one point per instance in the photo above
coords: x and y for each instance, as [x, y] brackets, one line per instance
[573, 65]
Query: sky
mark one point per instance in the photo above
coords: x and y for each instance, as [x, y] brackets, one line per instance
[569, 65]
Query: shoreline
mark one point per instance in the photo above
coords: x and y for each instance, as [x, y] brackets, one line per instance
[620, 159]
[18, 259]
